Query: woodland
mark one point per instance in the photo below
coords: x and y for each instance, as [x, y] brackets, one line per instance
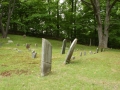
[95, 21]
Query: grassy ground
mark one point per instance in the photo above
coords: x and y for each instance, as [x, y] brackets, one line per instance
[18, 71]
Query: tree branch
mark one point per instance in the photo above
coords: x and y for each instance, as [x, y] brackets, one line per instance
[86, 3]
[111, 6]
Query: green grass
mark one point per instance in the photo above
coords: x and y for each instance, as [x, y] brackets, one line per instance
[18, 71]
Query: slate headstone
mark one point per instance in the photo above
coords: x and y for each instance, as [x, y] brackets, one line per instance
[63, 46]
[34, 54]
[70, 52]
[80, 53]
[46, 59]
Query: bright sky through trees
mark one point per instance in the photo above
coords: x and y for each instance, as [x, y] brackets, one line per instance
[61, 1]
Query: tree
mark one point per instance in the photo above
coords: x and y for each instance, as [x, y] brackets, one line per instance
[102, 24]
[4, 25]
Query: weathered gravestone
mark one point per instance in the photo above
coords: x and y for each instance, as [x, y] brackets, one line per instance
[70, 52]
[36, 45]
[80, 53]
[17, 44]
[63, 46]
[84, 53]
[46, 59]
[97, 50]
[10, 41]
[34, 54]
[27, 46]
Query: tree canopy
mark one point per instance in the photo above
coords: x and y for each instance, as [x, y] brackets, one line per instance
[83, 19]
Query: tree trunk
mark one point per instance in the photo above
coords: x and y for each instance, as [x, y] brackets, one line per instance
[106, 24]
[10, 10]
[102, 31]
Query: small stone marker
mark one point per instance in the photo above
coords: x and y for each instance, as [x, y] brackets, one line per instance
[46, 58]
[70, 52]
[90, 52]
[34, 54]
[27, 46]
[24, 36]
[63, 46]
[10, 41]
[8, 37]
[73, 57]
[97, 50]
[17, 44]
[84, 53]
[80, 53]
[36, 45]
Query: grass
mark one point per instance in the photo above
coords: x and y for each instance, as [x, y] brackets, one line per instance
[18, 71]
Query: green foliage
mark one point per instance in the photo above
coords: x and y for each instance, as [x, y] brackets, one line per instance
[72, 17]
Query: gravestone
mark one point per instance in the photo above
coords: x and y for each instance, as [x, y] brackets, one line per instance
[70, 52]
[63, 46]
[17, 44]
[97, 50]
[36, 45]
[24, 36]
[8, 37]
[27, 46]
[34, 54]
[73, 57]
[84, 53]
[10, 41]
[80, 53]
[46, 58]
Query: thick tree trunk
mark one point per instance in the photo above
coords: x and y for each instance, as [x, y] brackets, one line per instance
[102, 31]
[106, 24]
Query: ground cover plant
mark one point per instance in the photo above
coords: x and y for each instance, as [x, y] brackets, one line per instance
[19, 71]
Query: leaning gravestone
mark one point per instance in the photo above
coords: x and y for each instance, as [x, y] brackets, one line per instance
[70, 52]
[63, 46]
[46, 59]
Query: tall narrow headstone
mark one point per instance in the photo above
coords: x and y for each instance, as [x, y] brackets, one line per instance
[46, 59]
[63, 46]
[70, 52]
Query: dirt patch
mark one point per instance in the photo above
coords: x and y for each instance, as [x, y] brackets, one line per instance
[11, 72]
[4, 65]
[6, 74]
